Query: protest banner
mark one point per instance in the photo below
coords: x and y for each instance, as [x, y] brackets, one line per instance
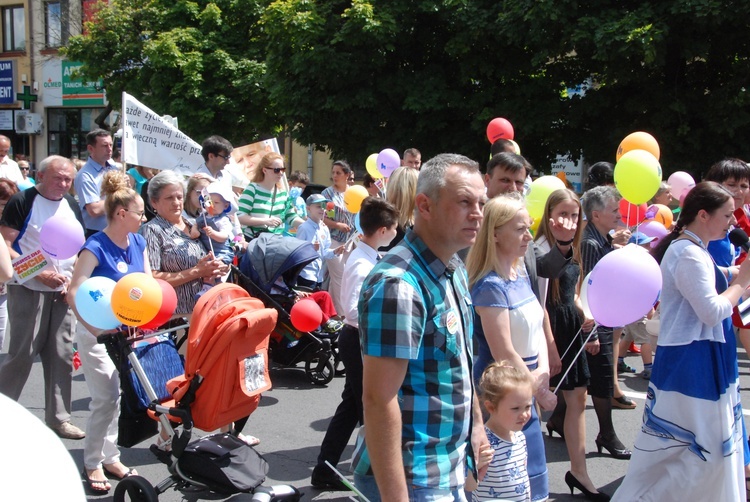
[150, 140]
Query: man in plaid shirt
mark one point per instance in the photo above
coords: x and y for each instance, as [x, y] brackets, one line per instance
[416, 321]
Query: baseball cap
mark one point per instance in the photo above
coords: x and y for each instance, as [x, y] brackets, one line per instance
[640, 238]
[225, 192]
[315, 198]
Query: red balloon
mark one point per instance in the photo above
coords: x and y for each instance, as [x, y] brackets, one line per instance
[306, 315]
[631, 213]
[499, 128]
[168, 305]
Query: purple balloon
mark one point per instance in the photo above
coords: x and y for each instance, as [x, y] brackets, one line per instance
[388, 161]
[61, 238]
[653, 229]
[623, 286]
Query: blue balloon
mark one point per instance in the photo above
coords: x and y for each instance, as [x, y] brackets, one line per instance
[356, 223]
[93, 300]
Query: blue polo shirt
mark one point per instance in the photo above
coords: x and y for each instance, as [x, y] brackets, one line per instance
[414, 307]
[88, 185]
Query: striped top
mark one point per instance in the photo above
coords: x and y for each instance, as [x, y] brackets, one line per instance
[256, 201]
[506, 478]
[170, 250]
[340, 214]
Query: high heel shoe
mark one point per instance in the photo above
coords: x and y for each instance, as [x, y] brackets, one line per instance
[572, 482]
[614, 447]
[551, 428]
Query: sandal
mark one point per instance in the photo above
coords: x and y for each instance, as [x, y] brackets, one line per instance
[110, 474]
[91, 482]
[249, 440]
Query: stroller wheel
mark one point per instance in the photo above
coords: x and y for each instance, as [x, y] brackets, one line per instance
[135, 489]
[320, 368]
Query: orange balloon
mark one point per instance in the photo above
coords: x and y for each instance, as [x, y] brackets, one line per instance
[136, 299]
[639, 141]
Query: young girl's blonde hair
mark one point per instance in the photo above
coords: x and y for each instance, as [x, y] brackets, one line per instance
[499, 378]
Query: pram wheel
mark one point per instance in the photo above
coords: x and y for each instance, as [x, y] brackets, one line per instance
[135, 489]
[320, 368]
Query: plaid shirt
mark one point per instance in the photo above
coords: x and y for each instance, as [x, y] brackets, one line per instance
[404, 313]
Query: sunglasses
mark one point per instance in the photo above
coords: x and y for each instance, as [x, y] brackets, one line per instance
[225, 157]
[276, 170]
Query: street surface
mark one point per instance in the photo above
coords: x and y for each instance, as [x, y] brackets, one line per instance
[292, 419]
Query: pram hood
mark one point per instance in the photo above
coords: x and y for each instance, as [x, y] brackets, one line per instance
[272, 256]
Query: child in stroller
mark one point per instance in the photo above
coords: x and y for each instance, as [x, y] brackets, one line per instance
[269, 270]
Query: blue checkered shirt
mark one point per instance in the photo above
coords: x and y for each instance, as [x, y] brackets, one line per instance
[404, 313]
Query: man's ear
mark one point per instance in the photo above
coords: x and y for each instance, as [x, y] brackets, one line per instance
[423, 204]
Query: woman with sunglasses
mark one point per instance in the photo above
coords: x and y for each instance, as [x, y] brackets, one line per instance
[265, 205]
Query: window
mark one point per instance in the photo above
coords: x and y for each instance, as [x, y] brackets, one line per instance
[67, 128]
[52, 25]
[14, 29]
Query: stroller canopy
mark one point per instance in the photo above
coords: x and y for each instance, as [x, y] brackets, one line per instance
[272, 256]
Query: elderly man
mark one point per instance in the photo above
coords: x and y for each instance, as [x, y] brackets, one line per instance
[8, 167]
[41, 323]
[418, 431]
[88, 181]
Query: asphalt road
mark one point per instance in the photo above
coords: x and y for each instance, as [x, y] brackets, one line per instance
[292, 419]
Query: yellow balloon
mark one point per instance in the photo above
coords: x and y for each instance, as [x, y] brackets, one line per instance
[372, 166]
[518, 148]
[353, 198]
[637, 176]
[541, 188]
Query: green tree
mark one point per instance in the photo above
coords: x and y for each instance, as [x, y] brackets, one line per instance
[200, 61]
[357, 76]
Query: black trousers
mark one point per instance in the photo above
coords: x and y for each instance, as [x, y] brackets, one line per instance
[349, 412]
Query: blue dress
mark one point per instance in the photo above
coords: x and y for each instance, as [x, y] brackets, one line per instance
[527, 334]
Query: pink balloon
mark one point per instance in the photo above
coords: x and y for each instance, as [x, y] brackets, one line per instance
[623, 286]
[388, 161]
[61, 238]
[500, 128]
[680, 182]
[654, 229]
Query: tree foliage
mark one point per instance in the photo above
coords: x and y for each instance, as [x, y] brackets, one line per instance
[356, 76]
[198, 60]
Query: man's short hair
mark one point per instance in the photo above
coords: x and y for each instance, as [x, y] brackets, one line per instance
[510, 162]
[597, 199]
[376, 213]
[215, 145]
[432, 175]
[502, 145]
[299, 177]
[53, 159]
[412, 151]
[726, 169]
[96, 133]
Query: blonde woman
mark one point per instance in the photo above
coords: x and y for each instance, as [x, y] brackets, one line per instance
[402, 193]
[509, 318]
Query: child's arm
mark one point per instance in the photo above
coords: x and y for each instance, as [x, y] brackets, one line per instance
[485, 457]
[215, 235]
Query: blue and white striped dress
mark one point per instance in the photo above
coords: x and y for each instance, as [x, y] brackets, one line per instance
[506, 477]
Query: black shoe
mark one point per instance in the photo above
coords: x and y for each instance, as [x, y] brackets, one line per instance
[614, 447]
[325, 479]
[552, 428]
[572, 482]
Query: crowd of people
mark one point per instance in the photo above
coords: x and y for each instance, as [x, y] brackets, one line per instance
[456, 323]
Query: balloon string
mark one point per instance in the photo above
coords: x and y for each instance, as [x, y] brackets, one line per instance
[572, 341]
[562, 379]
[210, 244]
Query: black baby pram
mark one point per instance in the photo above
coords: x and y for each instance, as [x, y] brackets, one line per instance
[226, 369]
[269, 270]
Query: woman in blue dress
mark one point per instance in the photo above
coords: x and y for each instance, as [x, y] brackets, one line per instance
[690, 446]
[509, 318]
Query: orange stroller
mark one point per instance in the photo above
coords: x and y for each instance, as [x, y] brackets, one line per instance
[226, 369]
